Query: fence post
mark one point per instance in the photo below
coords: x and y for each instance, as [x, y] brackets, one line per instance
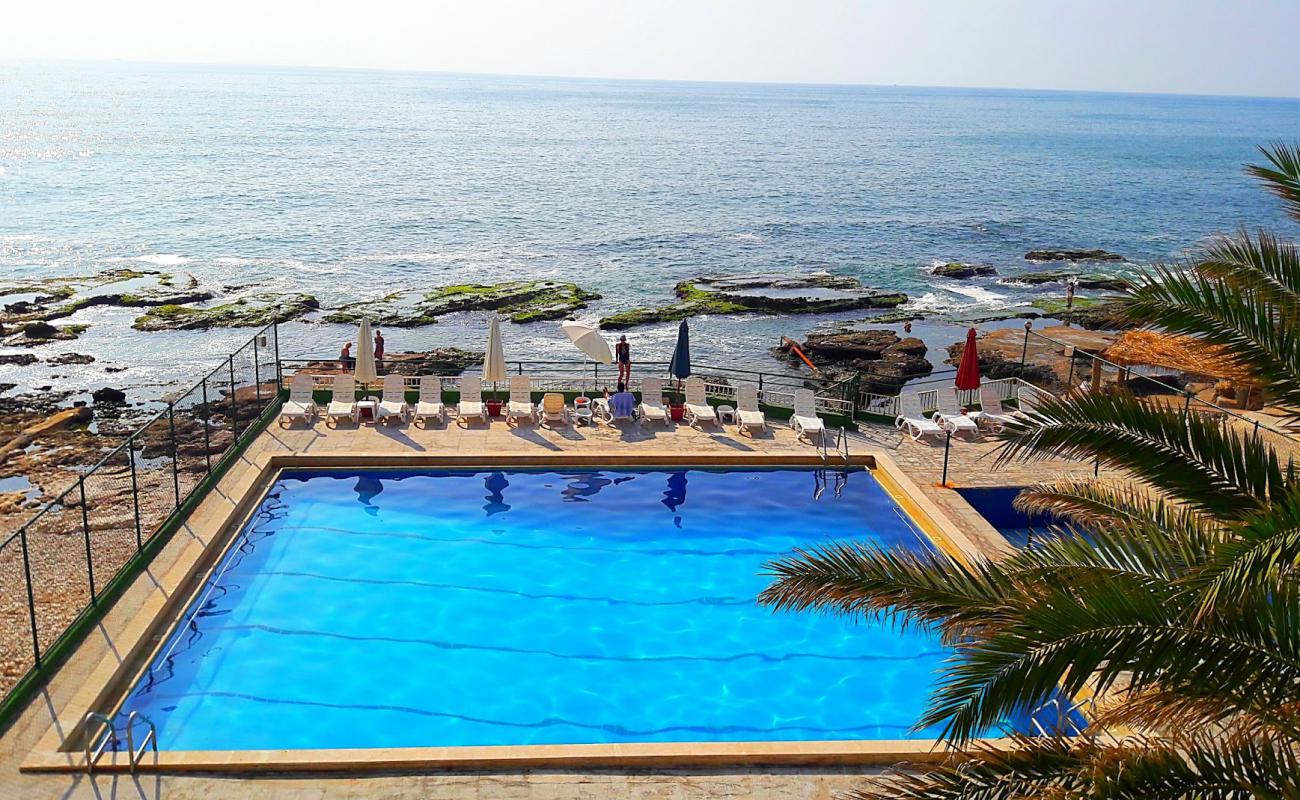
[176, 472]
[234, 409]
[85, 529]
[31, 596]
[947, 445]
[279, 374]
[257, 374]
[1069, 382]
[135, 491]
[760, 382]
[1187, 404]
[207, 417]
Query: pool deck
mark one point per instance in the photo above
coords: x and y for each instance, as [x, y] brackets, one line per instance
[79, 684]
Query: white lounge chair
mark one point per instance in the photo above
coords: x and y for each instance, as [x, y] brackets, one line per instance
[698, 409]
[300, 404]
[343, 403]
[911, 420]
[429, 405]
[393, 404]
[521, 400]
[749, 417]
[805, 421]
[991, 411]
[471, 400]
[552, 409]
[652, 401]
[602, 409]
[949, 415]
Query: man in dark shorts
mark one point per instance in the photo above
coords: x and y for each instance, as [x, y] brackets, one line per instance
[379, 350]
[623, 355]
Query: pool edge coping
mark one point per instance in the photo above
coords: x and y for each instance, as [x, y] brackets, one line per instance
[149, 627]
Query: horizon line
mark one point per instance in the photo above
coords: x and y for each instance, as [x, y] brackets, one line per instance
[704, 81]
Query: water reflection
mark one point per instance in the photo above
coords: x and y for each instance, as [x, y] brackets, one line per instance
[496, 484]
[675, 495]
[583, 486]
[367, 489]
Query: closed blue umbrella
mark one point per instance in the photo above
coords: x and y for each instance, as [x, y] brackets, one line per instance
[680, 366]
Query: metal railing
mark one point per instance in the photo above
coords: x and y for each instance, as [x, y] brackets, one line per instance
[56, 568]
[887, 405]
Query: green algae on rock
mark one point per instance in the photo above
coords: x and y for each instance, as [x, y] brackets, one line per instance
[247, 312]
[521, 301]
[58, 297]
[1094, 314]
[1048, 254]
[770, 293]
[1086, 280]
[960, 271]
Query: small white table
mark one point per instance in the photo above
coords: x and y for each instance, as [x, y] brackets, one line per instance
[582, 415]
[726, 414]
[366, 411]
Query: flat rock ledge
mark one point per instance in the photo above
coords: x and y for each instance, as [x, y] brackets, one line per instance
[1049, 254]
[520, 301]
[1086, 280]
[884, 360]
[438, 361]
[958, 270]
[768, 293]
[58, 297]
[1094, 314]
[255, 310]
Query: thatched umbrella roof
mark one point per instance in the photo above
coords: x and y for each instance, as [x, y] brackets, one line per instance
[1182, 353]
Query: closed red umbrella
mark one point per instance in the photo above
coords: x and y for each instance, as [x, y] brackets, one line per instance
[968, 372]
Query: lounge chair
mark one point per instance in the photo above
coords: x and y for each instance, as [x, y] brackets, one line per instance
[991, 411]
[698, 409]
[393, 404]
[429, 405]
[343, 403]
[521, 400]
[949, 415]
[471, 400]
[300, 404]
[805, 421]
[552, 409]
[911, 420]
[652, 401]
[749, 417]
[617, 408]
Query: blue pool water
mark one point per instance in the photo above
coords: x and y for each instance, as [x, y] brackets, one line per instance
[389, 609]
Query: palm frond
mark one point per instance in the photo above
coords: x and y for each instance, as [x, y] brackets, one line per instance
[1244, 322]
[1263, 553]
[1267, 267]
[1093, 504]
[1283, 176]
[925, 588]
[1191, 459]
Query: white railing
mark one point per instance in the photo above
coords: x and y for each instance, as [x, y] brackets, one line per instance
[886, 405]
[716, 387]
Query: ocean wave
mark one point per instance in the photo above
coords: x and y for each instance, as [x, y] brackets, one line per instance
[157, 259]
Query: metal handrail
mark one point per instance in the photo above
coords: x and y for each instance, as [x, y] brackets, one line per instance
[93, 735]
[150, 738]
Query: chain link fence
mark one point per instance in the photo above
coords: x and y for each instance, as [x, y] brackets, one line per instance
[56, 568]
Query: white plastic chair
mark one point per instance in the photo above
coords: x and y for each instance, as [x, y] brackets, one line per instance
[343, 403]
[393, 403]
[912, 420]
[471, 400]
[429, 405]
[749, 417]
[949, 415]
[301, 404]
[698, 409]
[652, 401]
[805, 421]
[521, 400]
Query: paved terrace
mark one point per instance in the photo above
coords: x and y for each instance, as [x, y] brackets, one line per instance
[71, 691]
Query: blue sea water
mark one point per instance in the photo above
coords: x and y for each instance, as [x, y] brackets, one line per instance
[351, 184]
[391, 609]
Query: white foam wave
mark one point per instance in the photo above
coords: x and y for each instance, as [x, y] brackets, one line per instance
[977, 293]
[747, 237]
[157, 259]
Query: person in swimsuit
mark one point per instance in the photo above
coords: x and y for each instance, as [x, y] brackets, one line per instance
[379, 350]
[345, 356]
[623, 355]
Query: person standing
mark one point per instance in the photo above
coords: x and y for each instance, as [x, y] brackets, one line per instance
[345, 356]
[379, 350]
[623, 355]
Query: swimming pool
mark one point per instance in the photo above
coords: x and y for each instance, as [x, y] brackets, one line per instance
[365, 609]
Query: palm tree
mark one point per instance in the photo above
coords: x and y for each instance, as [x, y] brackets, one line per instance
[1172, 593]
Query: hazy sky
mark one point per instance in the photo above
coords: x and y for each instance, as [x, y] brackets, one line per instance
[1191, 46]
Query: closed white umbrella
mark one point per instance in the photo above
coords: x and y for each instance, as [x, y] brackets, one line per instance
[364, 371]
[494, 361]
[587, 339]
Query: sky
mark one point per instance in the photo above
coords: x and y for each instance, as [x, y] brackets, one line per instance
[1176, 46]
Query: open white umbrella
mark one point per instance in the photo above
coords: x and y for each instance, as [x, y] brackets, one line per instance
[588, 339]
[364, 371]
[494, 361]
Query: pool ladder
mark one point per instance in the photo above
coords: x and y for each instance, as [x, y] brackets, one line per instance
[841, 446]
[821, 480]
[101, 734]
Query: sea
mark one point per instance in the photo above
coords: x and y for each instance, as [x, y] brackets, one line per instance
[351, 184]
